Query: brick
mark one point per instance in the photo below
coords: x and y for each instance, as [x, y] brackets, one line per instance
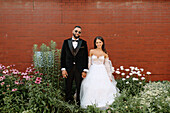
[136, 33]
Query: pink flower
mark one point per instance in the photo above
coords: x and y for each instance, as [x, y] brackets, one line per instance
[3, 67]
[21, 82]
[1, 78]
[38, 81]
[36, 72]
[2, 83]
[14, 89]
[29, 70]
[27, 77]
[5, 72]
[15, 72]
[38, 78]
[23, 73]
[41, 73]
[16, 82]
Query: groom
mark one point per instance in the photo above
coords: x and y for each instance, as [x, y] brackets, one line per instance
[74, 63]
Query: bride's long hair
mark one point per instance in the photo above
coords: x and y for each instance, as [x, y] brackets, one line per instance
[103, 46]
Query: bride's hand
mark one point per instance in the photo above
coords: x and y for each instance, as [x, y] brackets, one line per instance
[84, 74]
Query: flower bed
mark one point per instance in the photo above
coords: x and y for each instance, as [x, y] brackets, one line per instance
[131, 79]
[32, 91]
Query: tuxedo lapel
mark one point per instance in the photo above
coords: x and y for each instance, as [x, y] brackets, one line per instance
[78, 46]
[70, 45]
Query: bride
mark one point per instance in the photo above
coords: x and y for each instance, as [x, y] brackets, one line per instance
[99, 87]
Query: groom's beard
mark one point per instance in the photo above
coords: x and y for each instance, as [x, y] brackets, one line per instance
[76, 36]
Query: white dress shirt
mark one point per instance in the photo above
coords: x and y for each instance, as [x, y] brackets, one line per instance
[75, 43]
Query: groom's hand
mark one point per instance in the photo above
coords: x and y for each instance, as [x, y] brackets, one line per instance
[84, 74]
[64, 73]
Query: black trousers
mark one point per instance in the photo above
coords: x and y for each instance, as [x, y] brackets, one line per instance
[74, 74]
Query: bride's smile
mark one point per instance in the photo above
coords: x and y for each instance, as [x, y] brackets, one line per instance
[99, 44]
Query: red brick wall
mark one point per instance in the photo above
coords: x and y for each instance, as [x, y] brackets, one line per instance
[136, 32]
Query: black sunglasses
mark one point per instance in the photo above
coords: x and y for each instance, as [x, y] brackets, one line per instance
[78, 31]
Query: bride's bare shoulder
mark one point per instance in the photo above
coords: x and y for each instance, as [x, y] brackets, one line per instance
[92, 49]
[92, 52]
[106, 55]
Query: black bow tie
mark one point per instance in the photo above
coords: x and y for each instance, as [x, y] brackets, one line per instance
[74, 40]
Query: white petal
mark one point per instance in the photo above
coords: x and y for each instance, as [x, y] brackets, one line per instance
[123, 79]
[127, 82]
[142, 78]
[130, 73]
[148, 73]
[123, 74]
[127, 69]
[127, 76]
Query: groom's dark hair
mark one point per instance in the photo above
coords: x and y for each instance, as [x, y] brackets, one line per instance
[77, 27]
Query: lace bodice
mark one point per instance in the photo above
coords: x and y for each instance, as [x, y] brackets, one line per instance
[97, 60]
[94, 60]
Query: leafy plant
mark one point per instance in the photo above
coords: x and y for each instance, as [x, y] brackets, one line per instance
[47, 61]
[156, 96]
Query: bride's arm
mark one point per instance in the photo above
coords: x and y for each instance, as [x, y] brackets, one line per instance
[108, 68]
[90, 59]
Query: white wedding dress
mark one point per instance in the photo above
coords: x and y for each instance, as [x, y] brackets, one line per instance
[97, 88]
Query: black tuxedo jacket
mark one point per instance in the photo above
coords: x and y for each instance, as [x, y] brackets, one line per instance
[78, 57]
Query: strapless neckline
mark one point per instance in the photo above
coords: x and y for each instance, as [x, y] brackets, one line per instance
[98, 56]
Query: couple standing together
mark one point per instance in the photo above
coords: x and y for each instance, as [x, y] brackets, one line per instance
[95, 84]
